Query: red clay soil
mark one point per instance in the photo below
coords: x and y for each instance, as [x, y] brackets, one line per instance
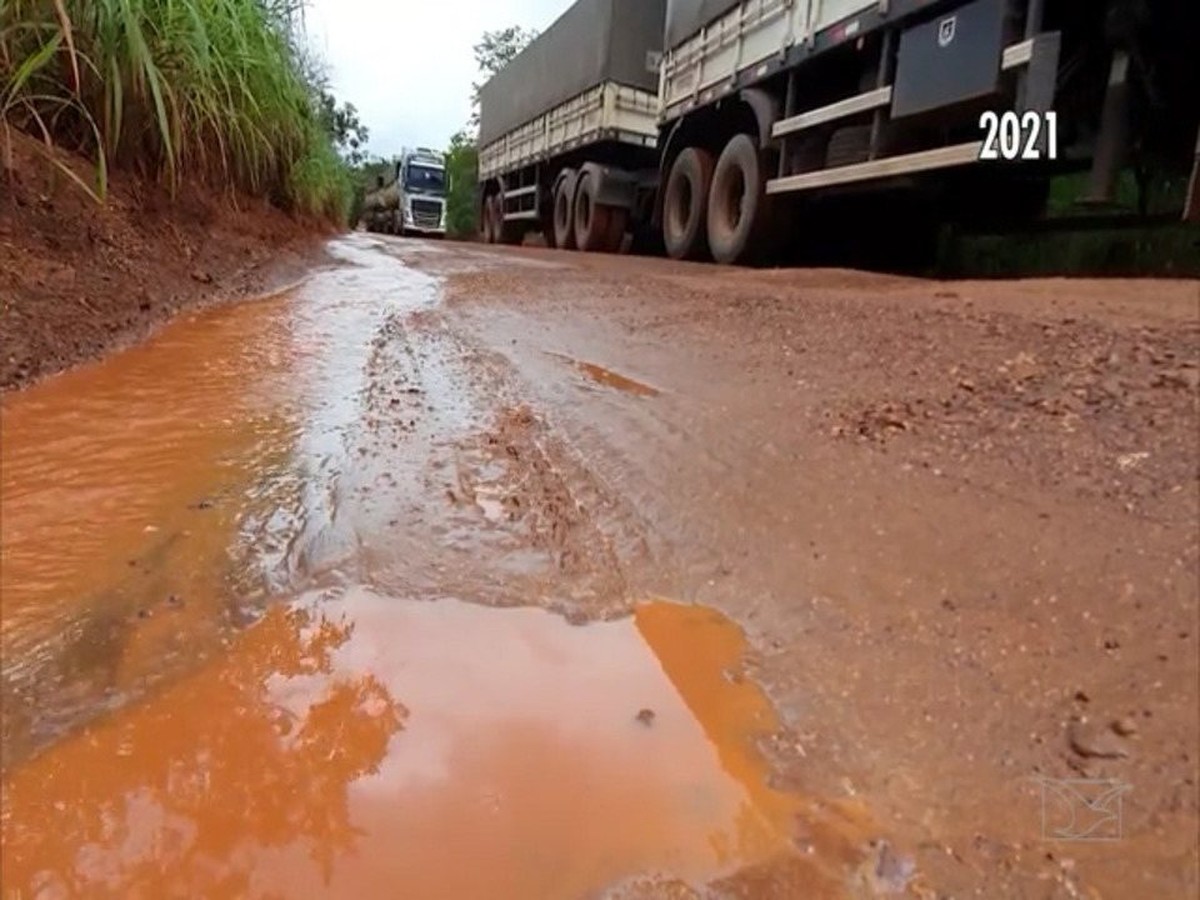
[78, 279]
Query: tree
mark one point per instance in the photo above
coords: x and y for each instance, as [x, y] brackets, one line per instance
[493, 52]
[341, 122]
[462, 165]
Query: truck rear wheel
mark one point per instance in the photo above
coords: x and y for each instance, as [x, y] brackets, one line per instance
[486, 233]
[497, 202]
[685, 204]
[738, 207]
[564, 211]
[598, 228]
[546, 197]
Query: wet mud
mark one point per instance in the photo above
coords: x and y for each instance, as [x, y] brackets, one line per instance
[358, 585]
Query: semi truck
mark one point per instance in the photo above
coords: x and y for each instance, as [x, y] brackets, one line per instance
[413, 200]
[716, 129]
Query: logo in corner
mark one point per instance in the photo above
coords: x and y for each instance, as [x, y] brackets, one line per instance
[1082, 809]
[947, 29]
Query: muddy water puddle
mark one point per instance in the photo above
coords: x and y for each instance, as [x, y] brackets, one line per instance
[152, 500]
[190, 710]
[606, 377]
[446, 749]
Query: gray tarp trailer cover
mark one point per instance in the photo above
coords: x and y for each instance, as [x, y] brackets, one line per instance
[592, 42]
[686, 17]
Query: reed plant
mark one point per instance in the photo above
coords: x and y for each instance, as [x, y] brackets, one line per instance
[216, 91]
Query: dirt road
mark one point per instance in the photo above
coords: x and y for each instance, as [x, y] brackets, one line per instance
[525, 574]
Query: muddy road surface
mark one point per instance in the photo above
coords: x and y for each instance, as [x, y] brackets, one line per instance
[460, 572]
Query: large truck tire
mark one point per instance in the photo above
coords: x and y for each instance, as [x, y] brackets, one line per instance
[545, 223]
[598, 228]
[496, 205]
[564, 210]
[685, 204]
[738, 207]
[486, 233]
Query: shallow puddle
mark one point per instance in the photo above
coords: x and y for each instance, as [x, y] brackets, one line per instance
[149, 499]
[608, 378]
[443, 748]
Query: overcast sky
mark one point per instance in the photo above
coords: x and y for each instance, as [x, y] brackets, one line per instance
[407, 65]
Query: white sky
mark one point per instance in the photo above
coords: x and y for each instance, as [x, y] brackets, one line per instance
[407, 65]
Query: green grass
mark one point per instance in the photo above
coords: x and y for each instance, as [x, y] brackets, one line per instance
[215, 91]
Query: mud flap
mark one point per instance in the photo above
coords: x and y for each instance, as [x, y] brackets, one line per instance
[613, 187]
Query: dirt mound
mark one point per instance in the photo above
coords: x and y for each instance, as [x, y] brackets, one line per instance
[78, 278]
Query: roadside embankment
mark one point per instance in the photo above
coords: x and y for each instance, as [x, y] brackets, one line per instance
[78, 279]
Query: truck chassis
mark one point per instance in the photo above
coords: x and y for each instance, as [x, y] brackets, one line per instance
[779, 100]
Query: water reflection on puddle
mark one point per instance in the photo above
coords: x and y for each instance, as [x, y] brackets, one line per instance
[441, 748]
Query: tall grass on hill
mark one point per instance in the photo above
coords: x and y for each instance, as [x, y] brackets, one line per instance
[216, 91]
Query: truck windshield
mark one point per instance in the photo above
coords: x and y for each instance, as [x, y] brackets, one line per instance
[426, 179]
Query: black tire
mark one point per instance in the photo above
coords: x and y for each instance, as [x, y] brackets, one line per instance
[848, 146]
[593, 223]
[497, 218]
[738, 208]
[685, 204]
[546, 216]
[564, 210]
[486, 233]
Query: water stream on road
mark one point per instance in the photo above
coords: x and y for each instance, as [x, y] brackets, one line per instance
[215, 684]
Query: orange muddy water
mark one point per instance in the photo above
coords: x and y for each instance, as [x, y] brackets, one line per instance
[251, 648]
[456, 750]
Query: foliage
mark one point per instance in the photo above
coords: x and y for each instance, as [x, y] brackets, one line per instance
[493, 52]
[342, 124]
[215, 90]
[365, 178]
[462, 166]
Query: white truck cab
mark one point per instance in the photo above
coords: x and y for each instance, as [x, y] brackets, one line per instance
[423, 185]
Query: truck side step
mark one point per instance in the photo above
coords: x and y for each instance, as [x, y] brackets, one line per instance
[909, 163]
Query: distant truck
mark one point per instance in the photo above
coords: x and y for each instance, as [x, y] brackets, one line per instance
[714, 128]
[414, 200]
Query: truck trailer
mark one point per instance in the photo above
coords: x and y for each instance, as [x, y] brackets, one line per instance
[719, 128]
[413, 201]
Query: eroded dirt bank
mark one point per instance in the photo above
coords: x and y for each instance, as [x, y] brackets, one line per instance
[844, 579]
[78, 279]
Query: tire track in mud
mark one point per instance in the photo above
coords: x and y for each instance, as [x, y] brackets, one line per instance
[459, 488]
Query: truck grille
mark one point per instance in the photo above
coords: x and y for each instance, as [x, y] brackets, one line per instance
[427, 213]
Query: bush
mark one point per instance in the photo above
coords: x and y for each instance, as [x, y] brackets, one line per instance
[213, 90]
[462, 165]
